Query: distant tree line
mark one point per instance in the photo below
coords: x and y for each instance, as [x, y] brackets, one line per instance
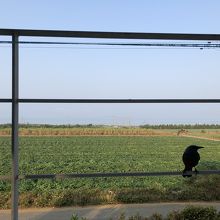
[147, 126]
[52, 126]
[181, 126]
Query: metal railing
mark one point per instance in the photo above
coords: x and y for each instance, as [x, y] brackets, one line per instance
[15, 100]
[113, 100]
[99, 175]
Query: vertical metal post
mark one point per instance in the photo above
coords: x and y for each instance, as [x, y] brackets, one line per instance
[14, 136]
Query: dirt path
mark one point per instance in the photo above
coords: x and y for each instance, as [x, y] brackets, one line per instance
[199, 137]
[102, 212]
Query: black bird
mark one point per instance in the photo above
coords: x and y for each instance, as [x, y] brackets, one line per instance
[190, 159]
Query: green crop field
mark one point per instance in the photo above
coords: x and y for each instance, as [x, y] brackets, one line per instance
[88, 154]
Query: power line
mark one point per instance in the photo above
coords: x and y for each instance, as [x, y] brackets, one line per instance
[174, 45]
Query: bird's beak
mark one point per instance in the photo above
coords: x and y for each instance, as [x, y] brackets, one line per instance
[200, 147]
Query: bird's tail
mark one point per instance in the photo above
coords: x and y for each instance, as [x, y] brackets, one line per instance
[184, 172]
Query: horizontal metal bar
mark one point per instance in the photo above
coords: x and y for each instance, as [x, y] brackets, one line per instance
[96, 175]
[119, 100]
[130, 174]
[113, 100]
[6, 100]
[110, 35]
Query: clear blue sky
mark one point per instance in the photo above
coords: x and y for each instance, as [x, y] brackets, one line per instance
[78, 72]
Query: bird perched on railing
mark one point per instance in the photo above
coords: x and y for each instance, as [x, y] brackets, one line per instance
[190, 159]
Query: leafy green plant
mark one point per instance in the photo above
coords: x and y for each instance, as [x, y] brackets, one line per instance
[76, 217]
[199, 213]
